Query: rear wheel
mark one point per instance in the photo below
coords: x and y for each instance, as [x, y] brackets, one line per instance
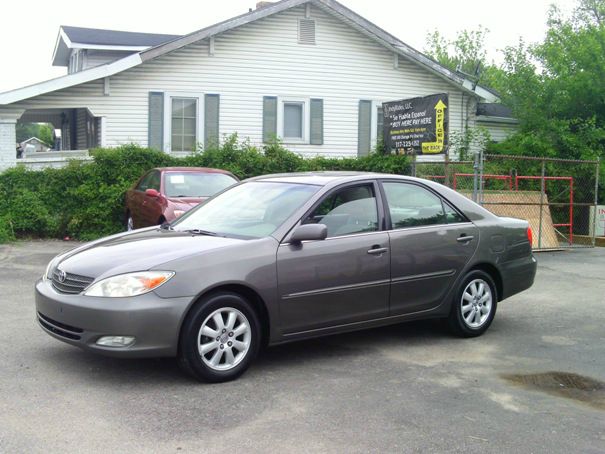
[220, 338]
[474, 305]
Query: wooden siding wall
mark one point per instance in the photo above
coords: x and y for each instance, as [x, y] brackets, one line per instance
[265, 59]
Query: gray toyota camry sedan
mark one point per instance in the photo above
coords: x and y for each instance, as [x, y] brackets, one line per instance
[280, 258]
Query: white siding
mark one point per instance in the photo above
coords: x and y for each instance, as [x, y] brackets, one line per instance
[8, 141]
[101, 57]
[260, 59]
[499, 131]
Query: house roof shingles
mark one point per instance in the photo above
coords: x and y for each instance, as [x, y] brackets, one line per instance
[101, 37]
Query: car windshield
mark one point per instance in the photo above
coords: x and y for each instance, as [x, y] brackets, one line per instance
[192, 184]
[250, 210]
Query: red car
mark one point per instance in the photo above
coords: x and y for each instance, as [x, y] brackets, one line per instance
[163, 194]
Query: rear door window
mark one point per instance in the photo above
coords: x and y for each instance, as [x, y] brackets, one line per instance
[452, 216]
[413, 206]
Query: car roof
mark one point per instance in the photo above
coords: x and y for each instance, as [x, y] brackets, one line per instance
[193, 169]
[331, 179]
[324, 178]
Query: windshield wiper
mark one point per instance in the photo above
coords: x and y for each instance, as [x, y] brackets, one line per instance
[201, 232]
[166, 226]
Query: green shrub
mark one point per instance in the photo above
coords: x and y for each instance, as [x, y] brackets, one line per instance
[6, 230]
[85, 200]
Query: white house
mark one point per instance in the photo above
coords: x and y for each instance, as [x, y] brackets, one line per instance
[312, 72]
[34, 145]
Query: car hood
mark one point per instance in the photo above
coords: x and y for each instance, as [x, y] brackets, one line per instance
[136, 251]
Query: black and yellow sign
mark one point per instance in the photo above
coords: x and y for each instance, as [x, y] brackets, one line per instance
[417, 125]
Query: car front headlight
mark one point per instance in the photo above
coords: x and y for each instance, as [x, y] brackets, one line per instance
[131, 284]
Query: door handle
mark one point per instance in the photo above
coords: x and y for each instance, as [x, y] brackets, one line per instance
[377, 250]
[465, 238]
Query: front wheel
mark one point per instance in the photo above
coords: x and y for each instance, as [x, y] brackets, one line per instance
[474, 305]
[220, 338]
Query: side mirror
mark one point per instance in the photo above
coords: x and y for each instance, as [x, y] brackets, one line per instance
[309, 232]
[152, 193]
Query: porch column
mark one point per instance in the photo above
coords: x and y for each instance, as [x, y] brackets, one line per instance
[8, 136]
[8, 139]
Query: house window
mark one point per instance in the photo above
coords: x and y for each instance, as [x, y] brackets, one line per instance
[293, 120]
[184, 121]
[72, 63]
[75, 62]
[377, 124]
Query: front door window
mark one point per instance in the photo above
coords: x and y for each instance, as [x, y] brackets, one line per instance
[348, 211]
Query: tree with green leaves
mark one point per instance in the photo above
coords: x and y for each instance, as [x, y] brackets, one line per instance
[465, 53]
[556, 88]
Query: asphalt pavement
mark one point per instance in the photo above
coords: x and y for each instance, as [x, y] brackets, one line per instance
[534, 383]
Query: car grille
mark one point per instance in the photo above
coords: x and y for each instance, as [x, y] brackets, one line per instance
[72, 284]
[61, 329]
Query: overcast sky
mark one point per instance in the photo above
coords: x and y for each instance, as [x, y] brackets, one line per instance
[29, 28]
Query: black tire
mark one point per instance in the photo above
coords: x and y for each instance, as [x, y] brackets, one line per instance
[479, 322]
[197, 365]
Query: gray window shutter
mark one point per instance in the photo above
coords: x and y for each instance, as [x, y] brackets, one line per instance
[269, 118]
[364, 139]
[379, 124]
[155, 125]
[211, 120]
[317, 121]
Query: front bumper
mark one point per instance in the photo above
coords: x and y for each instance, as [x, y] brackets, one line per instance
[81, 320]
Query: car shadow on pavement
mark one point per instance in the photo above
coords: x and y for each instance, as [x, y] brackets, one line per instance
[165, 371]
[351, 344]
[96, 368]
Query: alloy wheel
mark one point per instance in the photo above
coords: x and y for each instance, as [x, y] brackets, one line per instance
[224, 339]
[476, 303]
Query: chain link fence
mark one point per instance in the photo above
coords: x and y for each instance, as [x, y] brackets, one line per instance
[558, 197]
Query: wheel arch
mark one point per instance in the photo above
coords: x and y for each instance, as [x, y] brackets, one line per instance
[494, 273]
[251, 295]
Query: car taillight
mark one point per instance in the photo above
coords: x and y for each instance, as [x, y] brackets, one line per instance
[530, 235]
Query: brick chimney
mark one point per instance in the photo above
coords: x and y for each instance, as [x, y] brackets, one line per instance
[261, 5]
